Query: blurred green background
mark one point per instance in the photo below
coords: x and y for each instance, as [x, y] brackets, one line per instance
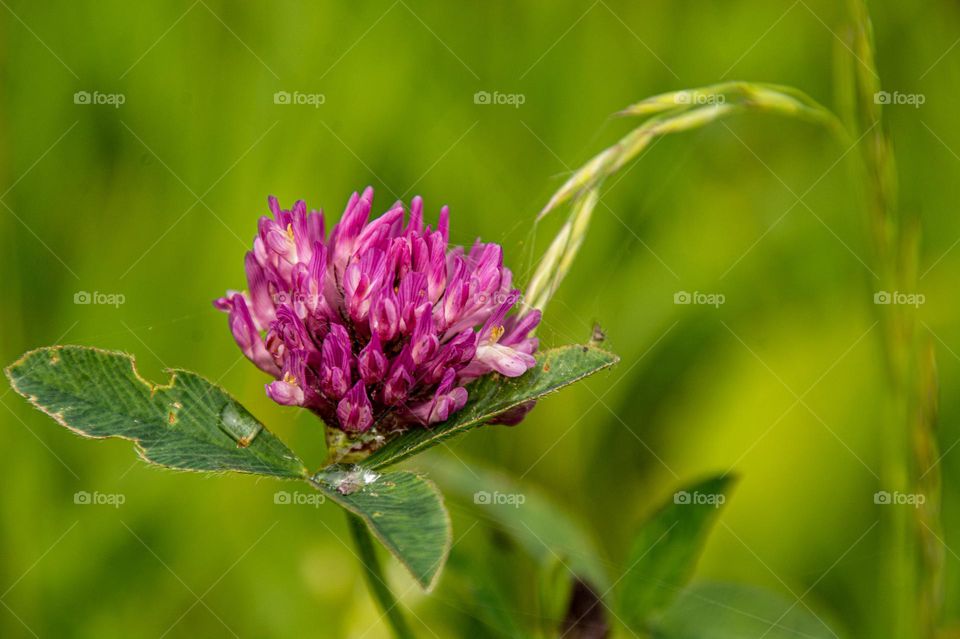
[157, 200]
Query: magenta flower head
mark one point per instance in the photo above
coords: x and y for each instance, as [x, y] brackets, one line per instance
[378, 324]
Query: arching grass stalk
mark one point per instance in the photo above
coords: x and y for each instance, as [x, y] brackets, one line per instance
[912, 579]
[912, 583]
[665, 114]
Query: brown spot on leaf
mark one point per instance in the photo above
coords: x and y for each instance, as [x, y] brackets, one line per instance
[172, 415]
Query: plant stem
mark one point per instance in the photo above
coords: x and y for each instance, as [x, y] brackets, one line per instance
[376, 581]
[913, 572]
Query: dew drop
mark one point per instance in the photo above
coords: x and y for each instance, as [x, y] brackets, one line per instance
[240, 425]
[348, 479]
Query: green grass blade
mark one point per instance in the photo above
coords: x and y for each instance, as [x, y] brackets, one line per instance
[539, 525]
[732, 611]
[666, 548]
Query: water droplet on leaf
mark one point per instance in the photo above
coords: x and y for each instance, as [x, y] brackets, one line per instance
[347, 479]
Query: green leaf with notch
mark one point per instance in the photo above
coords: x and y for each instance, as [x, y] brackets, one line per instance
[666, 549]
[494, 394]
[187, 424]
[405, 512]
